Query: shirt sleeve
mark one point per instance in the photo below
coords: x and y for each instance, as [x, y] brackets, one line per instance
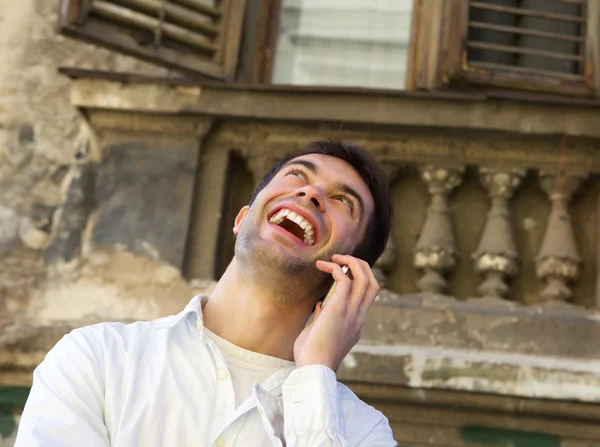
[314, 417]
[66, 403]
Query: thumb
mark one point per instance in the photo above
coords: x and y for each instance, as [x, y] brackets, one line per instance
[318, 310]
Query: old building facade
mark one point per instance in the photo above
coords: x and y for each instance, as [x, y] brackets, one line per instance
[120, 179]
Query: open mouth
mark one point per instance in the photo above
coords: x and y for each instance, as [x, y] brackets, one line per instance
[294, 224]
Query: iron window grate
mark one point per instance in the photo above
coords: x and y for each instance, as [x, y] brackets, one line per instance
[528, 37]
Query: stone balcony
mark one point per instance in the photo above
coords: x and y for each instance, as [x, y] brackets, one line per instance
[490, 277]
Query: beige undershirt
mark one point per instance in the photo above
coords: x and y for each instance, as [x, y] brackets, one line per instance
[245, 367]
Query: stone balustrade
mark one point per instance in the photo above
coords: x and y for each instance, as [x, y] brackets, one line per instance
[496, 259]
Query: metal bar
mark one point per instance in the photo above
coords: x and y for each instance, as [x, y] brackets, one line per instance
[573, 2]
[200, 7]
[527, 12]
[526, 31]
[173, 14]
[533, 71]
[519, 50]
[128, 17]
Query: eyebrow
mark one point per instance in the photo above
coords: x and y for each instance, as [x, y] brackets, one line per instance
[339, 185]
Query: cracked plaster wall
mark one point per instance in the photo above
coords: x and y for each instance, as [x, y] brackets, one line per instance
[41, 136]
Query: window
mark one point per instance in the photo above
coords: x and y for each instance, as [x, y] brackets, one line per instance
[535, 37]
[543, 45]
[358, 43]
[193, 36]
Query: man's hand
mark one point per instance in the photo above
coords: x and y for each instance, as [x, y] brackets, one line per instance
[337, 328]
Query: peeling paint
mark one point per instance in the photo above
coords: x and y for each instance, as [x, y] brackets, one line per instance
[494, 372]
[350, 361]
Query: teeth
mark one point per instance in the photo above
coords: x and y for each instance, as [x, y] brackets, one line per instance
[278, 218]
[308, 240]
[296, 218]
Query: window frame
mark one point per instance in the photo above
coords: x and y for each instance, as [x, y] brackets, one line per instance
[263, 53]
[75, 21]
[436, 59]
[437, 54]
[454, 71]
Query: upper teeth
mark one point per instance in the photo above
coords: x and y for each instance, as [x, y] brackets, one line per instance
[284, 213]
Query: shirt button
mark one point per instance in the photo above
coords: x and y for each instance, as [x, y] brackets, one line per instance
[222, 374]
[220, 441]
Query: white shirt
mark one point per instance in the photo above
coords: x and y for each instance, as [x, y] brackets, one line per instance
[245, 367]
[164, 383]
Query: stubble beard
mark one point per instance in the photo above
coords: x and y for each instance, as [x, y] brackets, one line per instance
[290, 277]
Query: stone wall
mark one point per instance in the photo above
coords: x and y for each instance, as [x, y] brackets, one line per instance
[41, 135]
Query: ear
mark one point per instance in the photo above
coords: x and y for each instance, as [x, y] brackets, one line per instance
[239, 218]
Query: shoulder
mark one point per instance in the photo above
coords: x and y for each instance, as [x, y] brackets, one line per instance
[361, 420]
[99, 342]
[124, 335]
[129, 334]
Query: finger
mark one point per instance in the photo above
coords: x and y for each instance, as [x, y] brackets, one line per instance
[343, 284]
[370, 293]
[318, 310]
[334, 269]
[360, 273]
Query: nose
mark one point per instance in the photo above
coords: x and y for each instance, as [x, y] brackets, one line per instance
[313, 194]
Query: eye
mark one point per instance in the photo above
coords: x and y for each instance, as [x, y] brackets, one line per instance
[298, 173]
[346, 201]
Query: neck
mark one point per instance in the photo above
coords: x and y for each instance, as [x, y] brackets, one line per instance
[254, 315]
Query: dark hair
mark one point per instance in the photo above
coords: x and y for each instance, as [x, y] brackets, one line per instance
[378, 229]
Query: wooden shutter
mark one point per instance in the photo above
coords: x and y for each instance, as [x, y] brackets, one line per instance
[192, 36]
[543, 45]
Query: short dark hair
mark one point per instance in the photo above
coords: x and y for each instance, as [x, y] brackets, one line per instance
[378, 229]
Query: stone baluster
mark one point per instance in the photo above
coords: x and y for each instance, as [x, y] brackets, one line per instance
[387, 261]
[558, 259]
[496, 256]
[435, 253]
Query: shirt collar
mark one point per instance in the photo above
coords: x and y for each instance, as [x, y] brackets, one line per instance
[195, 306]
[272, 384]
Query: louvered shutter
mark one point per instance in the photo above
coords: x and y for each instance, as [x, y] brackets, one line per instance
[542, 45]
[192, 36]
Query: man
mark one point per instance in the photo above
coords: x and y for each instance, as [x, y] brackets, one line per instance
[241, 368]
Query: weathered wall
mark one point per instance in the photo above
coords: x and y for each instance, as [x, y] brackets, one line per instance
[33, 95]
[40, 134]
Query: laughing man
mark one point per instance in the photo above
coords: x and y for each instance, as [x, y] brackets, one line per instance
[241, 368]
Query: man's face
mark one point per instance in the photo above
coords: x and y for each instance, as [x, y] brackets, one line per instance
[314, 207]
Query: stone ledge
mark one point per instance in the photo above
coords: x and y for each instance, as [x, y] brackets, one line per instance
[350, 106]
[546, 351]
[552, 329]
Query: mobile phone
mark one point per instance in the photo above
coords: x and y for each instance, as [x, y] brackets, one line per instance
[332, 290]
